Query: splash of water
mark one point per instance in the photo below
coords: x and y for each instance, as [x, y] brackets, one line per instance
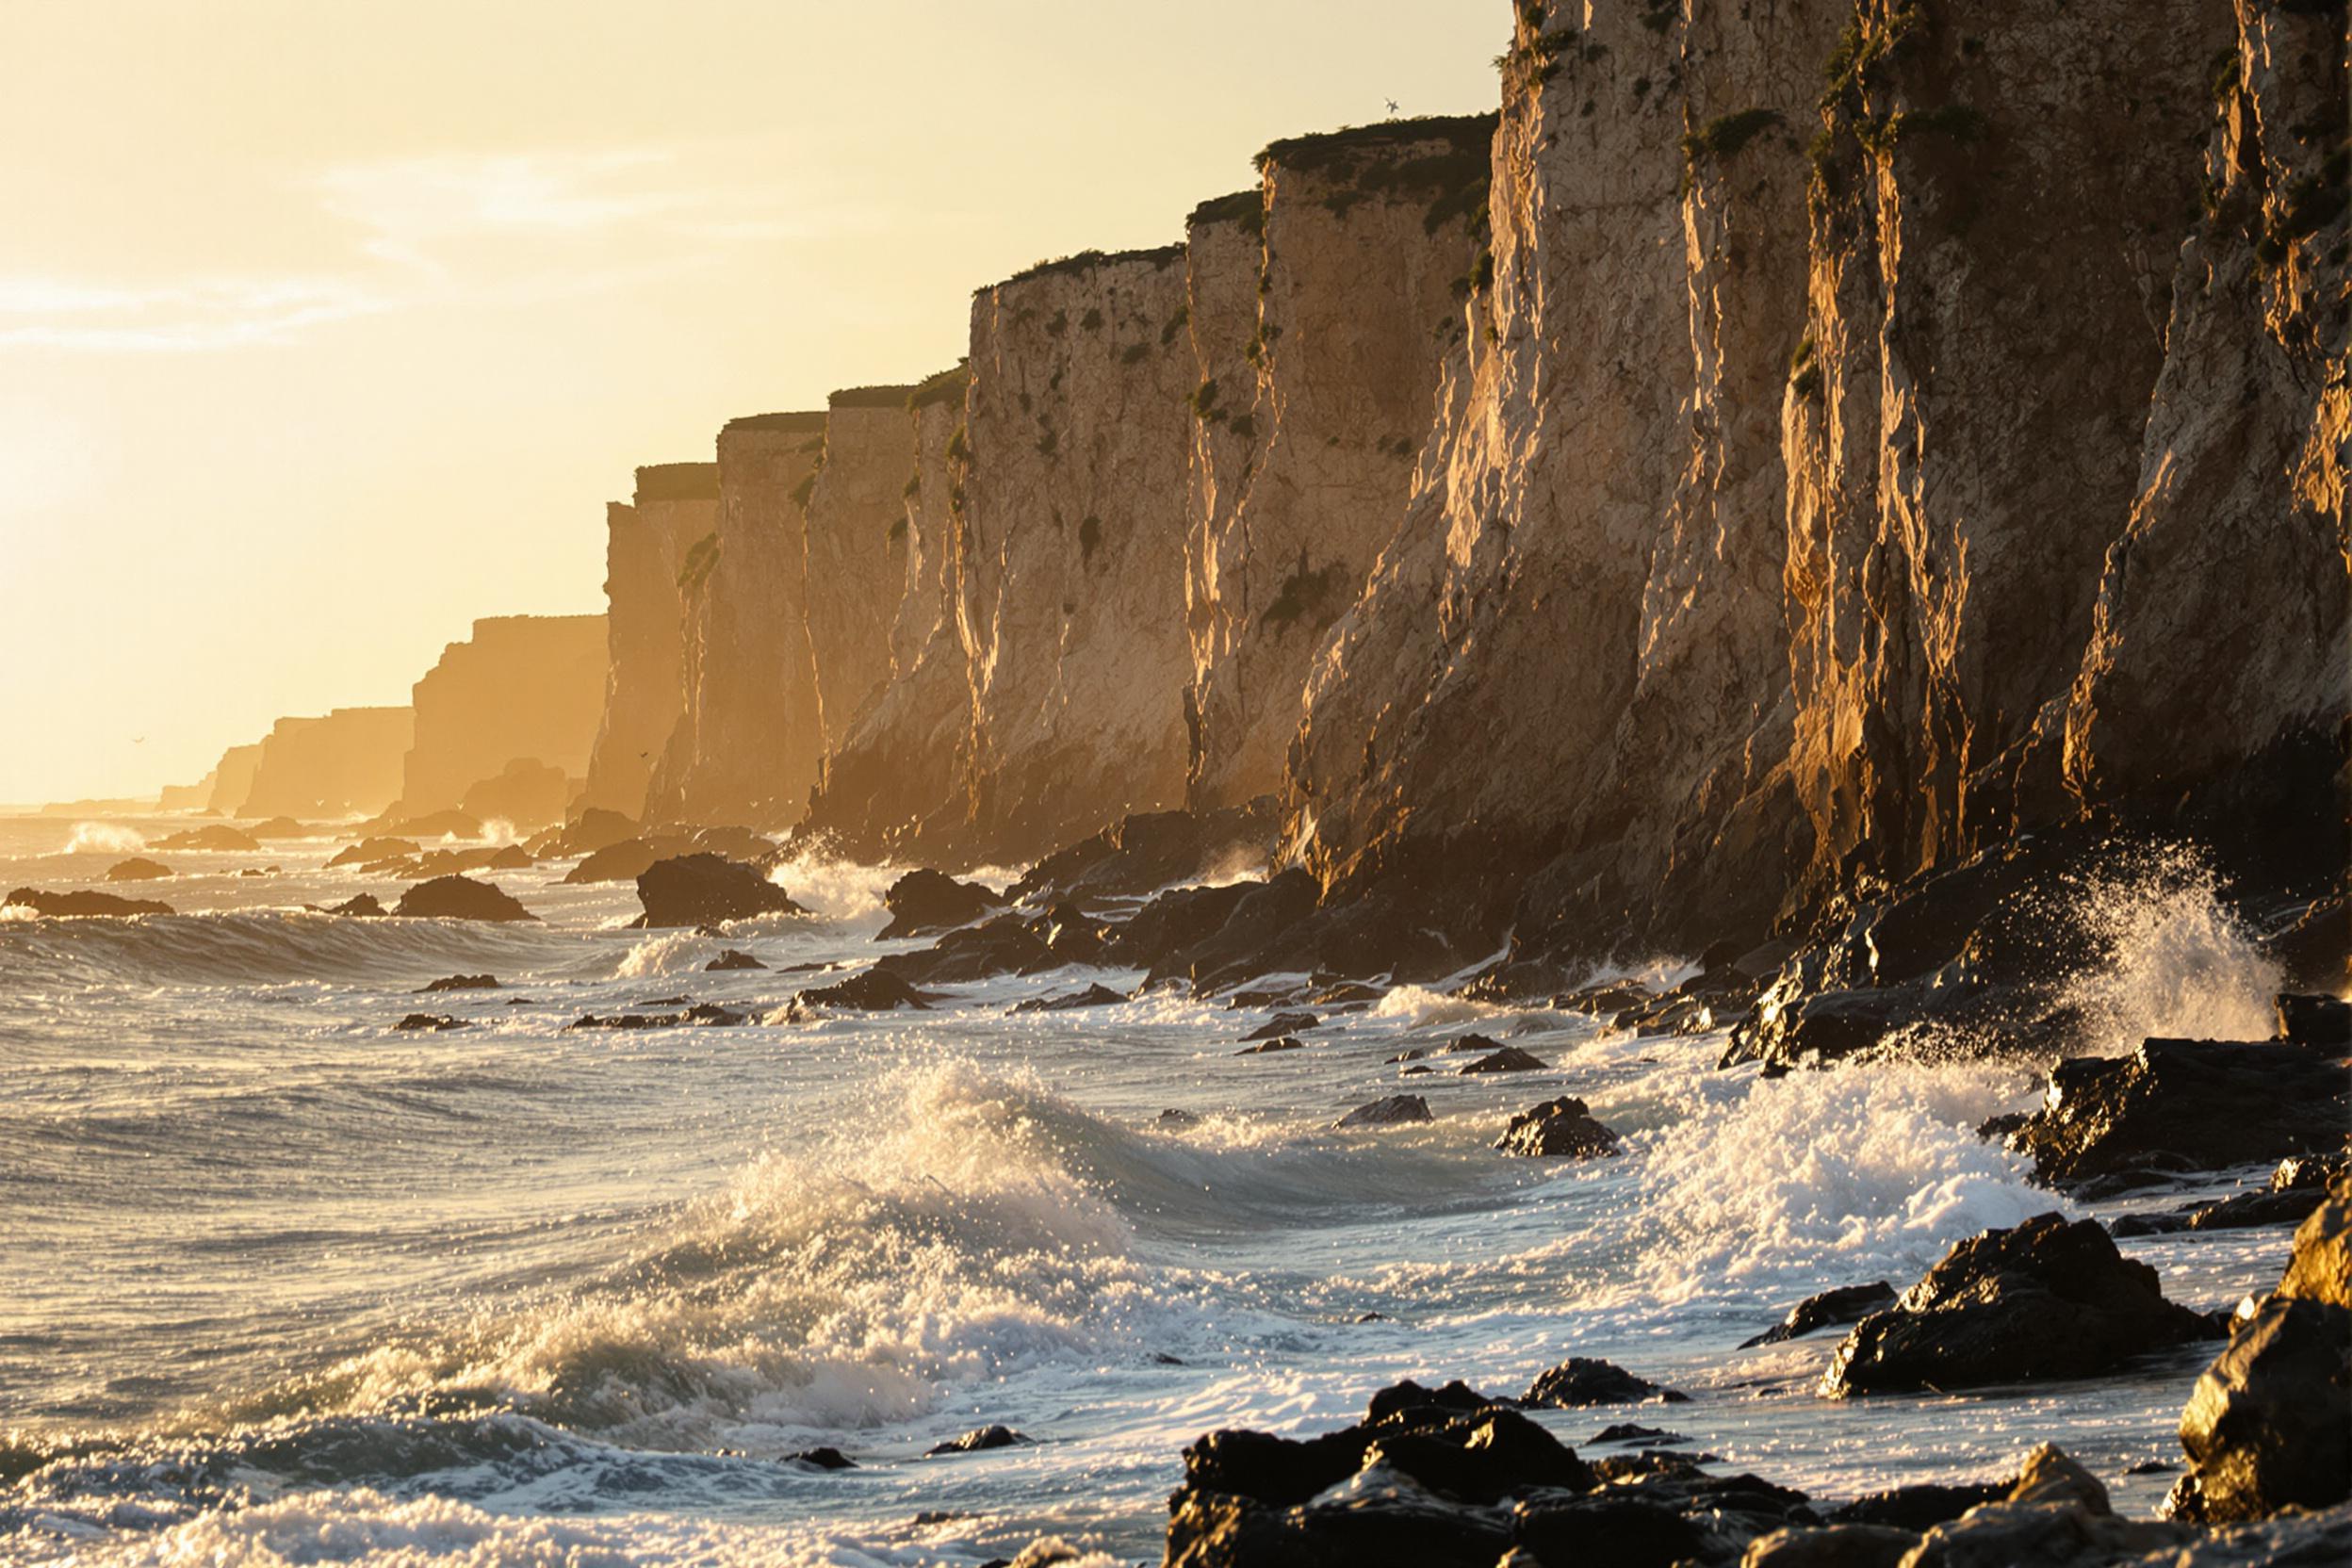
[838, 890]
[104, 838]
[2176, 962]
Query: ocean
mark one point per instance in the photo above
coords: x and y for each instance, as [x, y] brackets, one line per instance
[282, 1282]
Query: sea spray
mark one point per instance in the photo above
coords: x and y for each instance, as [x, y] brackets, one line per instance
[104, 838]
[2175, 961]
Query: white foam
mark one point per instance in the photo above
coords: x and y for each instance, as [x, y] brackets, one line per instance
[837, 889]
[1420, 1006]
[668, 953]
[104, 838]
[2179, 964]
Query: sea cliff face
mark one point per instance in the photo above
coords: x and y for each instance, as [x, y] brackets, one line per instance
[748, 743]
[233, 780]
[898, 783]
[345, 762]
[521, 688]
[647, 544]
[1322, 311]
[857, 549]
[1077, 442]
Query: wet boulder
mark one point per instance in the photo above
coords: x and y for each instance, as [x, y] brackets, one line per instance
[1395, 1110]
[1173, 922]
[1093, 996]
[459, 983]
[1004, 945]
[628, 859]
[731, 960]
[705, 889]
[1582, 1381]
[372, 852]
[428, 1023]
[1151, 850]
[701, 1015]
[2175, 1105]
[1920, 1507]
[877, 991]
[1845, 1304]
[823, 1459]
[924, 901]
[2319, 1022]
[978, 1441]
[138, 869]
[1283, 1023]
[359, 906]
[1558, 1128]
[460, 898]
[2047, 1300]
[1260, 916]
[2269, 1423]
[213, 835]
[1509, 1059]
[74, 905]
[1263, 1048]
[594, 829]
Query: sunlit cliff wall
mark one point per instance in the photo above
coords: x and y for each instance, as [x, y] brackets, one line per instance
[675, 509]
[519, 687]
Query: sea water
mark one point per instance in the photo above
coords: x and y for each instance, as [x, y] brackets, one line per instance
[279, 1283]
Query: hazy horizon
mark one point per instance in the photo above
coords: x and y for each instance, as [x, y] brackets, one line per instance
[323, 333]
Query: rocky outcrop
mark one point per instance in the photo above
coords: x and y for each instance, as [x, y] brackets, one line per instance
[857, 549]
[647, 571]
[705, 888]
[1321, 315]
[900, 780]
[520, 687]
[746, 744]
[1073, 471]
[76, 904]
[2044, 1299]
[343, 764]
[456, 897]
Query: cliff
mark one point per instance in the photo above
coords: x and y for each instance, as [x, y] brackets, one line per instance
[747, 742]
[1077, 442]
[1322, 307]
[233, 780]
[646, 549]
[345, 764]
[857, 549]
[521, 688]
[1818, 555]
[898, 782]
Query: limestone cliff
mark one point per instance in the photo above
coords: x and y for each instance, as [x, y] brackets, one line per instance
[519, 688]
[1761, 540]
[647, 547]
[1077, 442]
[1323, 307]
[233, 780]
[897, 783]
[858, 549]
[345, 764]
[747, 742]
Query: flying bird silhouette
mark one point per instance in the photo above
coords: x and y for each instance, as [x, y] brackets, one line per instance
[1391, 106]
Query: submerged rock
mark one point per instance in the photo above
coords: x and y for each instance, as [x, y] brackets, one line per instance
[823, 1459]
[1393, 1111]
[2046, 1299]
[138, 869]
[923, 901]
[2269, 1424]
[1287, 1042]
[42, 901]
[1558, 1128]
[706, 888]
[360, 906]
[1846, 1304]
[434, 1022]
[877, 991]
[1093, 996]
[1582, 1381]
[2183, 1105]
[731, 960]
[214, 836]
[978, 1440]
[702, 1014]
[1283, 1023]
[460, 898]
[372, 851]
[460, 983]
[1509, 1059]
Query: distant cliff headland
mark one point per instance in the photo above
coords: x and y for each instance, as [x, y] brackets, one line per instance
[1776, 465]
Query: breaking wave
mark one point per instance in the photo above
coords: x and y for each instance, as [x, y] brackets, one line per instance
[104, 838]
[2176, 961]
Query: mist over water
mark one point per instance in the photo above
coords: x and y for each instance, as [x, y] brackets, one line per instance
[283, 1284]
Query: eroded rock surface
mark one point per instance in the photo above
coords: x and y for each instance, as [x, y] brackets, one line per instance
[648, 543]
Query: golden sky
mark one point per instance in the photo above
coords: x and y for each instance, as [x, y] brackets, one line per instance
[326, 327]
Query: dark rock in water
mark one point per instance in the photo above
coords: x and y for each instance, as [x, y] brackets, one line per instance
[1395, 1109]
[138, 869]
[1404, 1400]
[1832, 1546]
[2152, 1467]
[1153, 850]
[460, 983]
[1846, 1304]
[362, 906]
[1260, 916]
[1409, 1072]
[460, 898]
[2298, 1173]
[925, 901]
[1006, 945]
[1413, 1055]
[1558, 1128]
[823, 1459]
[875, 991]
[2240, 1212]
[702, 1014]
[1509, 1059]
[2045, 1299]
[594, 829]
[2184, 1104]
[1633, 1432]
[1582, 1381]
[628, 859]
[1918, 1507]
[1093, 996]
[370, 851]
[704, 888]
[1660, 1512]
[1283, 1023]
[2269, 1424]
[977, 1440]
[1173, 922]
[737, 843]
[731, 960]
[1466, 1043]
[430, 1022]
[279, 827]
[216, 836]
[83, 904]
[2321, 1021]
[1174, 1117]
[1288, 1042]
[509, 858]
[261, 870]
